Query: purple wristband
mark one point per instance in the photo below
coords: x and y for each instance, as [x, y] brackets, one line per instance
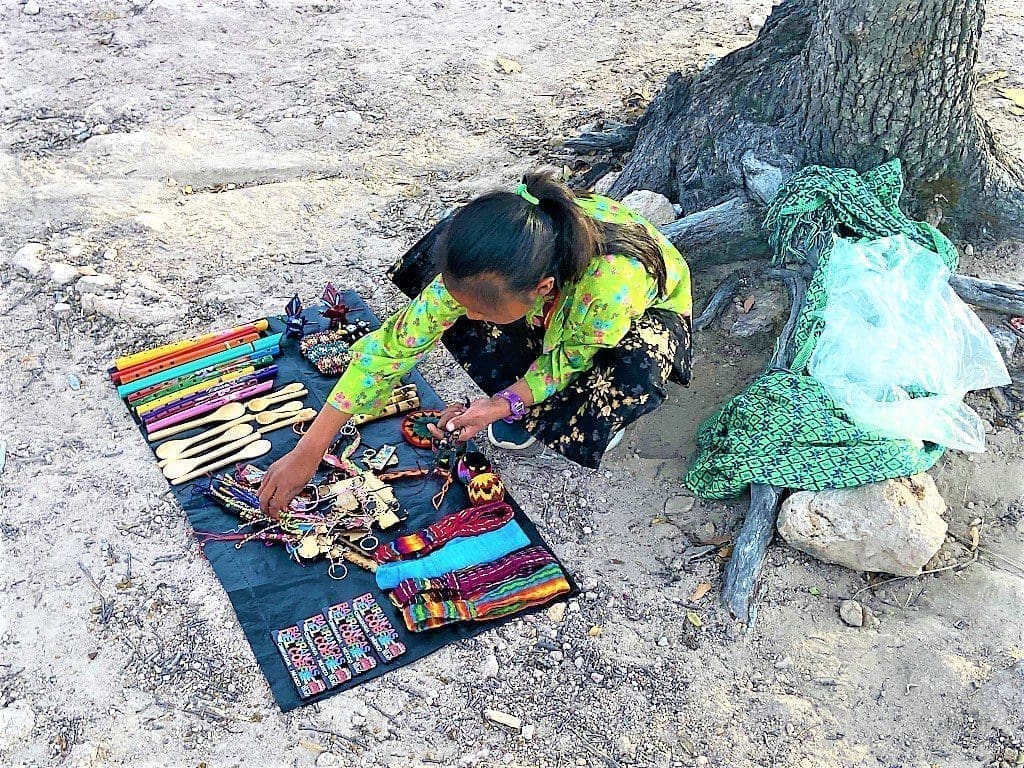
[515, 402]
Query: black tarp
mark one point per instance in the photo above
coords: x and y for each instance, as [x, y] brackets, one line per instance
[270, 591]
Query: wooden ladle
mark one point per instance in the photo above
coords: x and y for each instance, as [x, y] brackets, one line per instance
[234, 432]
[177, 467]
[287, 392]
[250, 451]
[227, 412]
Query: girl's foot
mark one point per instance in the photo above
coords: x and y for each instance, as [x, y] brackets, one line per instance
[509, 437]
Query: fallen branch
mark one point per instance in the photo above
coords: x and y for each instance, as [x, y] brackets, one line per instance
[618, 137]
[719, 301]
[989, 294]
[743, 570]
[736, 217]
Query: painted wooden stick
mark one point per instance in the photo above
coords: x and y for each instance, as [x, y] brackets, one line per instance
[200, 410]
[127, 361]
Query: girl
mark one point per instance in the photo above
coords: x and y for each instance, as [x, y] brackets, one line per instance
[573, 311]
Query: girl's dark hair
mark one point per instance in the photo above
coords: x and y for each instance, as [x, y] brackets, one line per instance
[502, 233]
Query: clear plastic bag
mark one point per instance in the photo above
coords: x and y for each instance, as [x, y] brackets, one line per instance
[894, 327]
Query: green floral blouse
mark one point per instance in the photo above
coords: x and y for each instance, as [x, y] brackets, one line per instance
[591, 314]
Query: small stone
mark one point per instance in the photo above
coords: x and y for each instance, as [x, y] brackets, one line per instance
[328, 760]
[702, 760]
[663, 642]
[605, 183]
[556, 612]
[490, 666]
[1010, 755]
[100, 129]
[597, 677]
[95, 284]
[706, 533]
[557, 656]
[528, 732]
[654, 207]
[26, 259]
[61, 310]
[62, 274]
[679, 505]
[503, 718]
[31, 8]
[784, 663]
[852, 612]
[342, 122]
[769, 307]
[626, 745]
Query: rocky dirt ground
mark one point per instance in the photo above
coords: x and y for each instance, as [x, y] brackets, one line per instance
[212, 159]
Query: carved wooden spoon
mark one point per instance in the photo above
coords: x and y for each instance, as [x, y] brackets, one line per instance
[227, 412]
[173, 448]
[287, 392]
[236, 432]
[250, 451]
[178, 467]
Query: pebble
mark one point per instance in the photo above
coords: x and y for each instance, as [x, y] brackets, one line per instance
[503, 718]
[63, 274]
[663, 642]
[528, 732]
[784, 663]
[702, 760]
[597, 677]
[558, 656]
[490, 666]
[626, 745]
[26, 259]
[556, 612]
[578, 661]
[62, 310]
[852, 612]
[679, 505]
[95, 284]
[31, 8]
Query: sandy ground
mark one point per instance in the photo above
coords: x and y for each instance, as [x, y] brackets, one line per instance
[216, 158]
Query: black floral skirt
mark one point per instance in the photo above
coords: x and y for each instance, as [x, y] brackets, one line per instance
[624, 383]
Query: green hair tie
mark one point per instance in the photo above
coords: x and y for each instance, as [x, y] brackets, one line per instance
[523, 193]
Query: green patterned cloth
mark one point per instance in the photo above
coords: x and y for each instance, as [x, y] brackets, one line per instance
[784, 430]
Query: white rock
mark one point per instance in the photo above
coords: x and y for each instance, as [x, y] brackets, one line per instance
[16, 723]
[895, 526]
[528, 732]
[328, 760]
[100, 129]
[654, 207]
[679, 505]
[31, 8]
[95, 284]
[62, 274]
[852, 613]
[62, 310]
[556, 612]
[26, 259]
[605, 182]
[490, 666]
[342, 122]
[503, 718]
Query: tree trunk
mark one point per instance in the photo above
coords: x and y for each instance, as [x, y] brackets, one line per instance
[845, 83]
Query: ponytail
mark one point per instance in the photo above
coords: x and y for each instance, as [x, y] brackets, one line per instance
[539, 233]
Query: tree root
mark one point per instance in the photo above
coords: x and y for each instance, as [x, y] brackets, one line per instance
[740, 579]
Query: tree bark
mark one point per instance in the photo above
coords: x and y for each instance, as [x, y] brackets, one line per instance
[844, 83]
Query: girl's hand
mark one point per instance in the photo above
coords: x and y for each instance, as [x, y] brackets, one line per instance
[286, 478]
[472, 420]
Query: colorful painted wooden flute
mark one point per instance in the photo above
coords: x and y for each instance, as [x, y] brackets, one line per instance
[150, 355]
